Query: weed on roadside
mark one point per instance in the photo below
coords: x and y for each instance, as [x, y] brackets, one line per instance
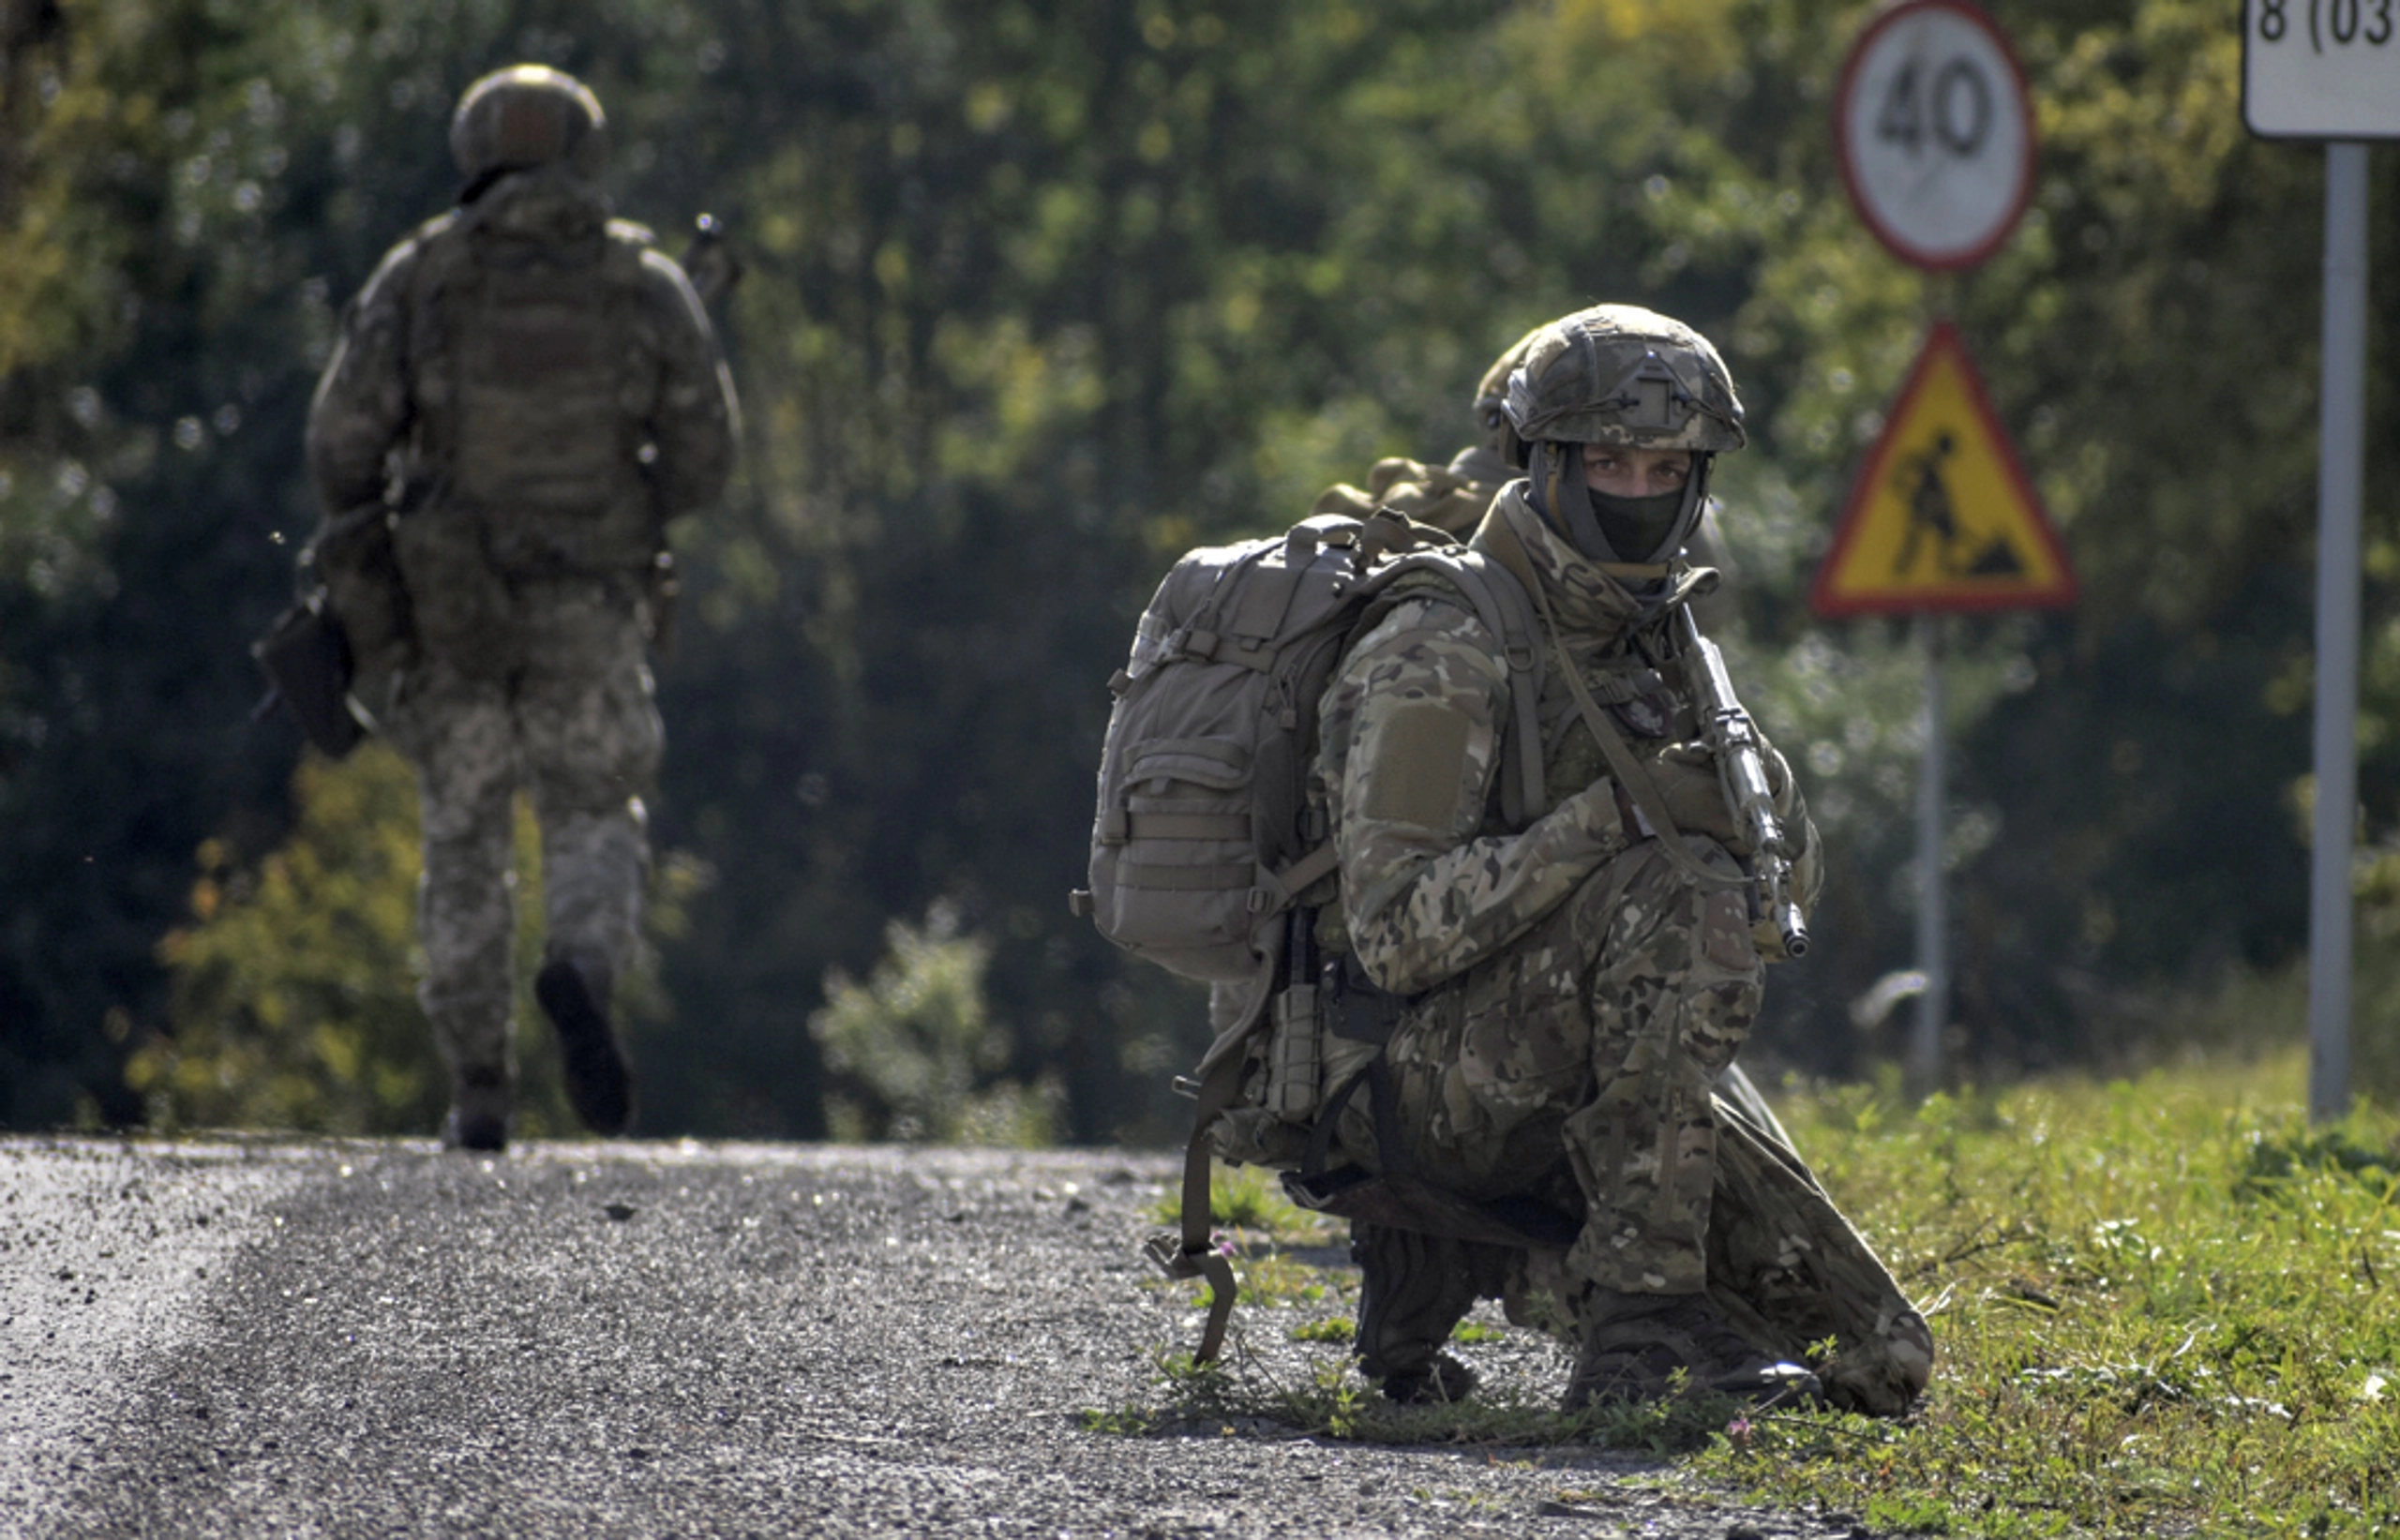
[1250, 1200]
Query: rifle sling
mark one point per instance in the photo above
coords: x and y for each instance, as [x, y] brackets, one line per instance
[1630, 773]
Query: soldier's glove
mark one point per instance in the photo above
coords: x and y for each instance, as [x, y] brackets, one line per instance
[1685, 774]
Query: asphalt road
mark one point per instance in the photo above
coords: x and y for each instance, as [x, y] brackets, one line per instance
[371, 1339]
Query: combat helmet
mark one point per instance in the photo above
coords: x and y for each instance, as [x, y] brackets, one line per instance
[1624, 376]
[1492, 400]
[528, 114]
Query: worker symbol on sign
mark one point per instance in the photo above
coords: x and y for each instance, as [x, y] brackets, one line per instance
[1932, 512]
[1942, 516]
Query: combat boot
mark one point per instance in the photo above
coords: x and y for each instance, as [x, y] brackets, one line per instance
[572, 990]
[1634, 1345]
[1413, 1290]
[481, 1104]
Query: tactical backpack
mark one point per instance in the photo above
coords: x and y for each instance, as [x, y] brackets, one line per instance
[1206, 838]
[524, 351]
[520, 352]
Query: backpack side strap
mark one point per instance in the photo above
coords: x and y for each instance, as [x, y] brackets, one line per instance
[1191, 1253]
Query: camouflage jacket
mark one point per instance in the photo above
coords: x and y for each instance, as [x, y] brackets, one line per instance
[645, 423]
[1433, 880]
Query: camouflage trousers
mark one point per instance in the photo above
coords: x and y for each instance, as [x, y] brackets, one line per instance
[1580, 1063]
[572, 723]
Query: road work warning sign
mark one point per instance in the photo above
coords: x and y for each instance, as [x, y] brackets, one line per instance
[1942, 517]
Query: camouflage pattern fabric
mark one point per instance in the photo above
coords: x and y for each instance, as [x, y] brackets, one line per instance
[577, 730]
[1575, 995]
[1597, 1035]
[524, 664]
[1790, 1271]
[526, 422]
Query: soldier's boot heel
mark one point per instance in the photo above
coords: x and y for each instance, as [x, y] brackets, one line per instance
[481, 1104]
[1413, 1290]
[599, 1086]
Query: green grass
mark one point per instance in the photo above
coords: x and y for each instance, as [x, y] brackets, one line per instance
[2161, 1304]
[2164, 1305]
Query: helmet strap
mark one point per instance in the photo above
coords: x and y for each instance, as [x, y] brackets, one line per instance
[1561, 497]
[483, 184]
[1695, 501]
[1564, 499]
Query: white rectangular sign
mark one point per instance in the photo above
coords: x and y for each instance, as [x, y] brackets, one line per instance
[2321, 68]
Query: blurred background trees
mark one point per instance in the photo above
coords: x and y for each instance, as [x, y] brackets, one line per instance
[1039, 293]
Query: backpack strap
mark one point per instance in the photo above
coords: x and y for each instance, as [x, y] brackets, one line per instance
[1630, 773]
[1500, 601]
[1190, 1253]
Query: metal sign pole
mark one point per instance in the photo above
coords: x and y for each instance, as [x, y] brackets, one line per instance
[1935, 128]
[2341, 448]
[1932, 911]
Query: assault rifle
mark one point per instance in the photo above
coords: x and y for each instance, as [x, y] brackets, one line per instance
[1733, 738]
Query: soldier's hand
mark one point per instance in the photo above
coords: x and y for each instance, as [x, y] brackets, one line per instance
[1687, 778]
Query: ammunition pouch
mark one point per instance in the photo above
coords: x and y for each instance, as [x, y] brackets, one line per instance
[307, 659]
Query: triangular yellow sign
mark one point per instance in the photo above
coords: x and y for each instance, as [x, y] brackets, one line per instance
[1942, 516]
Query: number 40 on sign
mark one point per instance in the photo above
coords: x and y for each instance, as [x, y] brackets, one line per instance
[1936, 133]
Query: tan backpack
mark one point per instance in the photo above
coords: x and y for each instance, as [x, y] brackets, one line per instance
[1206, 839]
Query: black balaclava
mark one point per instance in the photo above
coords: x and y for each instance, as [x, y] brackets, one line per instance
[1613, 528]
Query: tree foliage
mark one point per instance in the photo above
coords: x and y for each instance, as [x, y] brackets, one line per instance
[1042, 291]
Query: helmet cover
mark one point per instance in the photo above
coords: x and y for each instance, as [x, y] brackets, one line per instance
[1491, 401]
[528, 114]
[1618, 374]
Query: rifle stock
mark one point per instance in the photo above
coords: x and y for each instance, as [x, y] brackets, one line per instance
[1734, 739]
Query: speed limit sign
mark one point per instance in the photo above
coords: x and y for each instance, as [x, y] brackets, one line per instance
[1936, 133]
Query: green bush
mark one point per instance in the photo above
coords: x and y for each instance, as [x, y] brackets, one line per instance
[913, 1052]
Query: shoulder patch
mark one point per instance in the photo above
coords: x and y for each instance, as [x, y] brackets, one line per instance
[1418, 766]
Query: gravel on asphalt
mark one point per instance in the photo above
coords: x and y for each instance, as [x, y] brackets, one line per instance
[303, 1338]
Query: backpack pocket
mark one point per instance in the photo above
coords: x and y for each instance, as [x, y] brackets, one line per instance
[1173, 865]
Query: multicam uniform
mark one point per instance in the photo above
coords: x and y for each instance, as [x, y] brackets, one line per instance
[549, 388]
[1571, 994]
